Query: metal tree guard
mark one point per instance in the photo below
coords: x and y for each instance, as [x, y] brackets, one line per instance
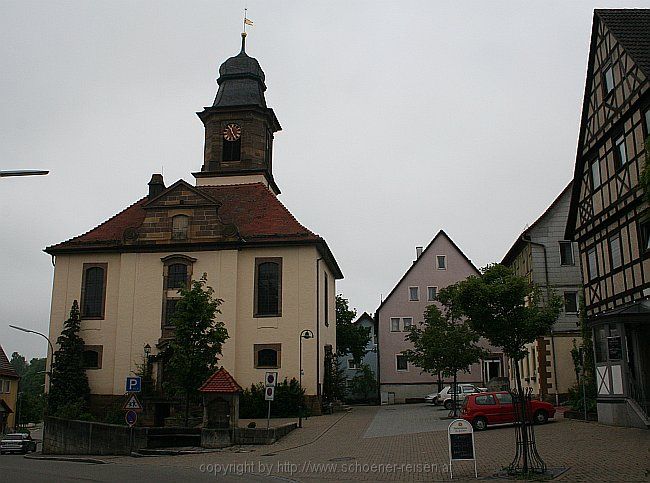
[527, 460]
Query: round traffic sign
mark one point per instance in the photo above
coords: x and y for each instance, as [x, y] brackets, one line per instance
[131, 417]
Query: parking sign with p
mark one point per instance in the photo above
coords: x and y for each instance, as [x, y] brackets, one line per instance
[133, 384]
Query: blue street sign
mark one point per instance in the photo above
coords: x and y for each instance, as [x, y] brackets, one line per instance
[133, 384]
[131, 417]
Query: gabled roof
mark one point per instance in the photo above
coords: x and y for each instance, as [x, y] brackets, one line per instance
[631, 28]
[258, 215]
[439, 234]
[6, 369]
[363, 316]
[221, 382]
[519, 242]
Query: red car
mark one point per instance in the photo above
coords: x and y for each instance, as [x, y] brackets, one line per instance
[490, 408]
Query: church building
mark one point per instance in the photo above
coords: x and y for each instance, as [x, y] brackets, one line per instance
[276, 277]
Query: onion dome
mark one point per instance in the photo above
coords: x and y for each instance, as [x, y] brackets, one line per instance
[241, 81]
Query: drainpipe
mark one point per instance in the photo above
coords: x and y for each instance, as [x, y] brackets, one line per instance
[318, 385]
[548, 297]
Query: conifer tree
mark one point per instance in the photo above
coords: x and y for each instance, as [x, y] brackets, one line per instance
[69, 389]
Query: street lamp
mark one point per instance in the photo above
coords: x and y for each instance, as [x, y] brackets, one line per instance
[29, 331]
[23, 172]
[305, 334]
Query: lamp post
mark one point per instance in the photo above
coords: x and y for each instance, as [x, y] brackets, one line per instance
[29, 331]
[23, 172]
[305, 334]
[147, 352]
[47, 374]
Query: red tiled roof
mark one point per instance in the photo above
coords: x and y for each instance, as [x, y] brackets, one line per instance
[221, 382]
[255, 211]
[6, 368]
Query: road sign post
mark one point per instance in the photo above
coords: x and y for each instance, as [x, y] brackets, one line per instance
[270, 380]
[461, 444]
[269, 394]
[132, 404]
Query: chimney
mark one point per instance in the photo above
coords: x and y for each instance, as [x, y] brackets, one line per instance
[156, 185]
[418, 252]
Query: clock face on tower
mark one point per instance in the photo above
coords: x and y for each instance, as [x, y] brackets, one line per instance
[232, 132]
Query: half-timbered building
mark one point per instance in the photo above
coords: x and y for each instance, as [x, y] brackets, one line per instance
[609, 215]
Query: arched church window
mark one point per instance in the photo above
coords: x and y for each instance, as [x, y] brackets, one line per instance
[268, 287]
[93, 291]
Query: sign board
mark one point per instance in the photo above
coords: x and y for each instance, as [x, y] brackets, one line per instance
[133, 384]
[131, 417]
[270, 379]
[614, 348]
[269, 394]
[132, 404]
[461, 443]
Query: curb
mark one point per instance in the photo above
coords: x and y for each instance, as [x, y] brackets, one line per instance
[65, 458]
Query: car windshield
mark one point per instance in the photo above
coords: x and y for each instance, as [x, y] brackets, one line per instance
[14, 437]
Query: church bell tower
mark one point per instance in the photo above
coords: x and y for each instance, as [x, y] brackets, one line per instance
[239, 127]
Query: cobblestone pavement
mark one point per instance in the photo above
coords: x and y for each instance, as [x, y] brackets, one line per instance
[340, 447]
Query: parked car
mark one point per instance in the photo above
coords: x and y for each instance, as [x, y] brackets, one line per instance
[431, 398]
[491, 408]
[17, 443]
[446, 396]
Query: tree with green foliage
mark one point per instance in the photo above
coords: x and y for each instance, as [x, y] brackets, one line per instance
[19, 363]
[364, 384]
[444, 344]
[69, 390]
[507, 310]
[584, 393]
[350, 338]
[334, 381]
[198, 339]
[31, 396]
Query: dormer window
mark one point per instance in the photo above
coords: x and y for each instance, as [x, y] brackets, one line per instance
[180, 226]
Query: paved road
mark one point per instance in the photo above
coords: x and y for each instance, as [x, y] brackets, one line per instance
[16, 468]
[407, 419]
[370, 444]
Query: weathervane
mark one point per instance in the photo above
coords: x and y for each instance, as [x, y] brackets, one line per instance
[247, 21]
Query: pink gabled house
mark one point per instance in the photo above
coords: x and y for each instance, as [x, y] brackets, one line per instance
[441, 264]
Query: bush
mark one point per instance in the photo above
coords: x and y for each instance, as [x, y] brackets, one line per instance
[286, 403]
[75, 410]
[576, 401]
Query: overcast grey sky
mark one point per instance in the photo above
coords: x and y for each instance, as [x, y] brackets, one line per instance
[399, 119]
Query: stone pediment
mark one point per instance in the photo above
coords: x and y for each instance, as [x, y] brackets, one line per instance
[181, 194]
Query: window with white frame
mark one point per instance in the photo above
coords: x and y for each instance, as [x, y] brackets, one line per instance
[571, 302]
[407, 322]
[352, 364]
[394, 324]
[595, 174]
[566, 253]
[432, 293]
[414, 294]
[401, 362]
[441, 262]
[592, 263]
